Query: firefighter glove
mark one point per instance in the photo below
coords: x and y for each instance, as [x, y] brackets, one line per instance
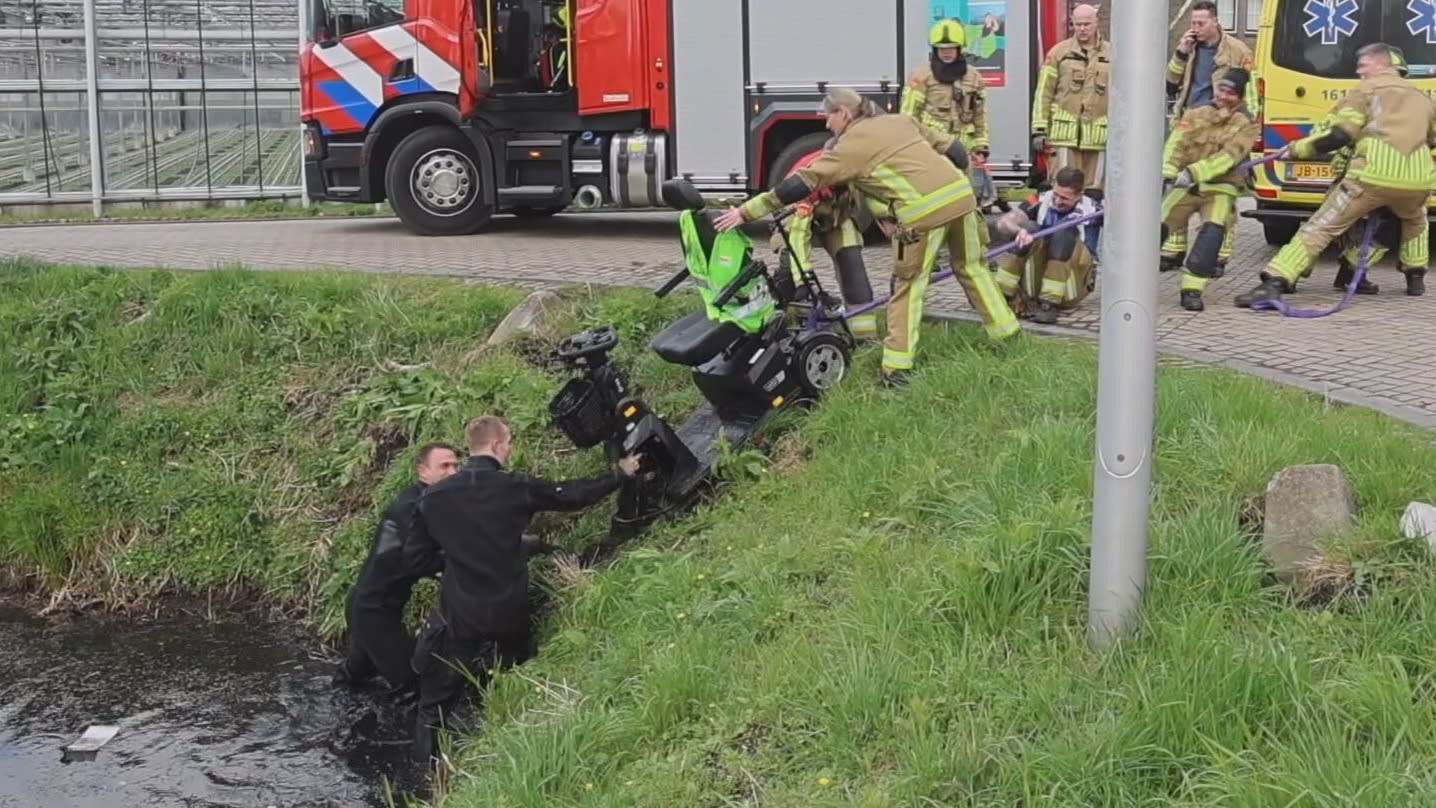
[1184, 179]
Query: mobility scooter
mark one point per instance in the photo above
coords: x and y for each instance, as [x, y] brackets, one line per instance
[747, 368]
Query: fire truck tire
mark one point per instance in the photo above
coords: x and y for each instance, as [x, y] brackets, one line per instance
[808, 144]
[792, 153]
[433, 182]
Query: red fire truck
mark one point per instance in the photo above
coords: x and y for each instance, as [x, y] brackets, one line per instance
[457, 110]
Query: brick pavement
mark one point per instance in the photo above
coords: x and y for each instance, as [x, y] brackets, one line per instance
[1380, 352]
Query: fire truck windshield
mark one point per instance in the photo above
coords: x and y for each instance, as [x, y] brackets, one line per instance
[332, 19]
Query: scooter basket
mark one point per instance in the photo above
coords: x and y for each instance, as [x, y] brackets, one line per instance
[579, 413]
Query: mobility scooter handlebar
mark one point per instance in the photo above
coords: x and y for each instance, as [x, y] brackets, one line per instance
[667, 288]
[747, 274]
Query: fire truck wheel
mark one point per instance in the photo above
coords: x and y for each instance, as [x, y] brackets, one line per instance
[433, 182]
[792, 153]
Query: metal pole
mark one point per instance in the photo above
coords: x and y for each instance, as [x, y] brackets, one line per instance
[303, 37]
[92, 98]
[1127, 357]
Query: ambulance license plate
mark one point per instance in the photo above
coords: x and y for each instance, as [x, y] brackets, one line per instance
[1309, 172]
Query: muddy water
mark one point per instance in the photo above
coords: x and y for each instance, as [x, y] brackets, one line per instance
[238, 713]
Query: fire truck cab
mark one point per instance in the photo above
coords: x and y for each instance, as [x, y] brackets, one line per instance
[458, 110]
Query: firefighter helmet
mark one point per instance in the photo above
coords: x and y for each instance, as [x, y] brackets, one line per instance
[947, 34]
[1398, 61]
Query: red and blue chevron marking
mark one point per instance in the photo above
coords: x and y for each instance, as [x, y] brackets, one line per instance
[1276, 135]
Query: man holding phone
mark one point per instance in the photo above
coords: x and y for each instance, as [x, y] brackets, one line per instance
[1203, 54]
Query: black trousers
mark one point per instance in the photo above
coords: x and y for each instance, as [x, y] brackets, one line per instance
[453, 667]
[379, 643]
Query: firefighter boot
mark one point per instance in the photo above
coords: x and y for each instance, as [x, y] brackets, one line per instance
[1192, 300]
[1271, 288]
[1171, 262]
[895, 379]
[1415, 282]
[1345, 272]
[1046, 313]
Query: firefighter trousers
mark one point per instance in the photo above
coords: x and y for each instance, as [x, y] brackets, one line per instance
[1216, 206]
[1345, 206]
[1092, 162]
[1036, 276]
[1177, 245]
[912, 268]
[844, 245]
[1388, 238]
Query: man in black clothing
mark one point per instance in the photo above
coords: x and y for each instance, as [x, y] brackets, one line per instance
[378, 641]
[476, 520]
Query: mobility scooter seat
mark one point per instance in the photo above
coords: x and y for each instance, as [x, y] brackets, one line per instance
[694, 339]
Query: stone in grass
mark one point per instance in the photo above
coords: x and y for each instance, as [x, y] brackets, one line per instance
[526, 318]
[1419, 522]
[1304, 506]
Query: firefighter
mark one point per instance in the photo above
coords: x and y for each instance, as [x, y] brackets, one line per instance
[1201, 162]
[1388, 232]
[926, 201]
[947, 94]
[1069, 109]
[1056, 271]
[1391, 126]
[828, 214]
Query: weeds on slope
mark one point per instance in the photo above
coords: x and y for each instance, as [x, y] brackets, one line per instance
[895, 616]
[236, 433]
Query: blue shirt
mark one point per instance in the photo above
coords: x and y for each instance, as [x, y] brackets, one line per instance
[1201, 93]
[1047, 215]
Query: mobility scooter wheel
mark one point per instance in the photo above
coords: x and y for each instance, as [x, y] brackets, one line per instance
[821, 362]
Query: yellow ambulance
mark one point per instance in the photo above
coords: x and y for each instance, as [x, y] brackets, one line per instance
[1305, 61]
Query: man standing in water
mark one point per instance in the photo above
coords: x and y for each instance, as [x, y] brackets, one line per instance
[378, 641]
[476, 519]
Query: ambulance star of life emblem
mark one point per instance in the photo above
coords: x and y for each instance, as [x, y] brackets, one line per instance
[1423, 19]
[1333, 19]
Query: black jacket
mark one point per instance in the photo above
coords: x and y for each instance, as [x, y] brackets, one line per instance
[386, 580]
[476, 520]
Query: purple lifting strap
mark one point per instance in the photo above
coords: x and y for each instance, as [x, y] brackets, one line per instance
[1367, 236]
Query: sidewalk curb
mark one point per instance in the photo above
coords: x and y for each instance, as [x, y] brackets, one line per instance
[1331, 392]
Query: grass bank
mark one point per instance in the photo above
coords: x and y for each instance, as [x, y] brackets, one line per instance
[894, 616]
[235, 434]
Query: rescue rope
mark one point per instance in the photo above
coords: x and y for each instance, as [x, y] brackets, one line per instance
[1367, 236]
[1043, 233]
[991, 254]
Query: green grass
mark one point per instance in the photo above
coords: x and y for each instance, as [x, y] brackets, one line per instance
[269, 209]
[238, 432]
[894, 616]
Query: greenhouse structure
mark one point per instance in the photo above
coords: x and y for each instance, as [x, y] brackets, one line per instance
[106, 101]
